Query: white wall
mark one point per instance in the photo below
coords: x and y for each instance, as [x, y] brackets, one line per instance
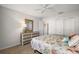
[63, 24]
[10, 27]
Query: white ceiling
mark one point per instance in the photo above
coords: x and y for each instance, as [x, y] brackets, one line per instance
[31, 9]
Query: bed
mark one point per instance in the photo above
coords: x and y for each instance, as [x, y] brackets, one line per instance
[50, 44]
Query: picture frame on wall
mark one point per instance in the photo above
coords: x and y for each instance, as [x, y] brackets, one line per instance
[29, 25]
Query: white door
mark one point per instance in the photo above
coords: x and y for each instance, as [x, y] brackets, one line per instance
[52, 26]
[77, 26]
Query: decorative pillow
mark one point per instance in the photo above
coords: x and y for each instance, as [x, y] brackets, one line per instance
[74, 41]
[65, 40]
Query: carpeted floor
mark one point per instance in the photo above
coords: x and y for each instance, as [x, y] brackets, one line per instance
[26, 49]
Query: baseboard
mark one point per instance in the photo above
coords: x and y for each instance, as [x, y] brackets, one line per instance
[10, 47]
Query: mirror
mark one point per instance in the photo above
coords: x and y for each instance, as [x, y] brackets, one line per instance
[29, 25]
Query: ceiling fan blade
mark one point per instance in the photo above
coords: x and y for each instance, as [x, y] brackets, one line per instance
[43, 11]
[50, 6]
[46, 5]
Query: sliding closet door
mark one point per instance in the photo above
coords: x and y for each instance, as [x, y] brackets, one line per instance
[52, 26]
[56, 26]
[59, 26]
[69, 26]
[77, 26]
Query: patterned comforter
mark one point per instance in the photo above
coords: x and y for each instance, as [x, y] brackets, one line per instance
[50, 44]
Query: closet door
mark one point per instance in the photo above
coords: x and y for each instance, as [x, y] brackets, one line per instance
[77, 26]
[52, 26]
[59, 26]
[69, 26]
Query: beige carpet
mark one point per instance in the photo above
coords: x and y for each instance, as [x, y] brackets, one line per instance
[26, 49]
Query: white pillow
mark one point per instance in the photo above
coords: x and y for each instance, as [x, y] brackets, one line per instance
[74, 41]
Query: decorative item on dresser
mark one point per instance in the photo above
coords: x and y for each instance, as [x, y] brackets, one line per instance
[26, 37]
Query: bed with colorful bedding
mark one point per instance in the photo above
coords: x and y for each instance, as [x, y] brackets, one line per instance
[50, 44]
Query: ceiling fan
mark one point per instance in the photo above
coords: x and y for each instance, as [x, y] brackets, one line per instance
[45, 7]
[48, 7]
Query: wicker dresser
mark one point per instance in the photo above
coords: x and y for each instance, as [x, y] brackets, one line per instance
[26, 37]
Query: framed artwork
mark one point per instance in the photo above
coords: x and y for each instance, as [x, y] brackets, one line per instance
[29, 25]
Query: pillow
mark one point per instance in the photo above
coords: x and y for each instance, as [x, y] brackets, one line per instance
[74, 41]
[65, 40]
[71, 35]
